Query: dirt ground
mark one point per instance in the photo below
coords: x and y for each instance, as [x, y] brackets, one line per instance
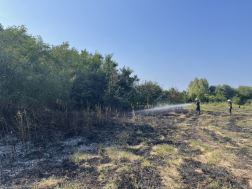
[175, 149]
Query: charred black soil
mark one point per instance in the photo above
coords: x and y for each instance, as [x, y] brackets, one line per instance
[177, 149]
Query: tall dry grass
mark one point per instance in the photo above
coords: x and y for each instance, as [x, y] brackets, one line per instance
[29, 127]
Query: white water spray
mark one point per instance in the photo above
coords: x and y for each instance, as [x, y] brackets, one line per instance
[162, 108]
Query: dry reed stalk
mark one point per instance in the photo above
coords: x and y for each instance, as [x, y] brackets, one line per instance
[34, 122]
[106, 116]
[35, 126]
[88, 117]
[99, 113]
[28, 127]
[133, 113]
[66, 117]
[20, 122]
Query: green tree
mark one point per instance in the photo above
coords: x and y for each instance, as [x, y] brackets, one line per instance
[236, 100]
[88, 88]
[220, 98]
[1, 27]
[202, 96]
[245, 92]
[109, 66]
[248, 102]
[203, 85]
[225, 90]
[198, 85]
[193, 97]
[212, 98]
[173, 95]
[164, 97]
[212, 90]
[27, 78]
[228, 91]
[149, 92]
[183, 97]
[120, 91]
[219, 90]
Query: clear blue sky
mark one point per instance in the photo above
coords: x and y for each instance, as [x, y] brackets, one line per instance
[168, 41]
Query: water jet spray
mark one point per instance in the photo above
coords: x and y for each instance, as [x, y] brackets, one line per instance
[162, 108]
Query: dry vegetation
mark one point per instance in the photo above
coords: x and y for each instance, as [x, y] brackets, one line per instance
[168, 150]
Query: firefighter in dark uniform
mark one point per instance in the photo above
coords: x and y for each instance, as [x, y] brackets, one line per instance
[229, 106]
[197, 105]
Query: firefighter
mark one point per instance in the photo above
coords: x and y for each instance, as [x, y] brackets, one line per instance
[229, 106]
[197, 105]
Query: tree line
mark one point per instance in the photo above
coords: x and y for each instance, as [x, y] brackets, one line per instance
[36, 74]
[219, 93]
[199, 88]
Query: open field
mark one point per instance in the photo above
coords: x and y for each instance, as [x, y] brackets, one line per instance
[177, 149]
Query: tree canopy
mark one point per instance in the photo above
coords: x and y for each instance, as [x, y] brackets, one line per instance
[35, 74]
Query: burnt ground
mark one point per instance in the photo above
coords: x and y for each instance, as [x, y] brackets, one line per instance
[177, 149]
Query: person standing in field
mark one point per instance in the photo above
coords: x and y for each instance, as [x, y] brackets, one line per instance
[229, 106]
[197, 105]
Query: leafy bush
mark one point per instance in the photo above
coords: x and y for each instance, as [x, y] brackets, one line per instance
[236, 100]
[248, 102]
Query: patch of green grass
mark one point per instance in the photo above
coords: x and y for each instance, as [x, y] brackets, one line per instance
[175, 155]
[207, 148]
[145, 163]
[119, 152]
[77, 185]
[196, 143]
[78, 156]
[214, 184]
[144, 143]
[167, 147]
[127, 169]
[229, 135]
[163, 150]
[241, 123]
[189, 107]
[113, 151]
[245, 144]
[180, 179]
[206, 107]
[214, 158]
[198, 186]
[101, 176]
[246, 135]
[49, 182]
[105, 168]
[100, 148]
[214, 127]
[250, 150]
[111, 184]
